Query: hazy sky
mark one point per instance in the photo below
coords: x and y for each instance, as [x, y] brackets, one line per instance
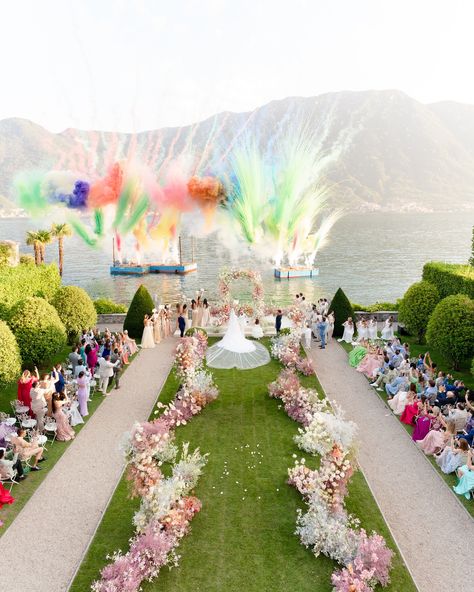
[132, 65]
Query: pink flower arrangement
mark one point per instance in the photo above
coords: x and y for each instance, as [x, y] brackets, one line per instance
[304, 479]
[227, 276]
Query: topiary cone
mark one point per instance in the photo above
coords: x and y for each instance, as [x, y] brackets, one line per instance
[342, 309]
[141, 304]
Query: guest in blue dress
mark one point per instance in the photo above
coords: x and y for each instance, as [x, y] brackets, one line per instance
[466, 478]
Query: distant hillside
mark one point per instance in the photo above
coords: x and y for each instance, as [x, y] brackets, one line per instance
[387, 150]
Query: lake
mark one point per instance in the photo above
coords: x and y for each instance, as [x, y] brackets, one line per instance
[372, 256]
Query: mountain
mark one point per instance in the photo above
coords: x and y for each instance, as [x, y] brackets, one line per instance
[382, 149]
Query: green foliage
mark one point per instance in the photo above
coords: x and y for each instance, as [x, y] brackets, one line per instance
[10, 360]
[75, 309]
[416, 307]
[472, 367]
[342, 309]
[17, 283]
[377, 306]
[285, 331]
[471, 259]
[106, 306]
[6, 253]
[26, 259]
[37, 328]
[142, 304]
[190, 332]
[450, 328]
[450, 278]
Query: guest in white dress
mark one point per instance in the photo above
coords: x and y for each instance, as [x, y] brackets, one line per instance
[387, 331]
[348, 331]
[362, 330]
[372, 328]
[307, 337]
[148, 340]
[330, 324]
[206, 313]
[257, 331]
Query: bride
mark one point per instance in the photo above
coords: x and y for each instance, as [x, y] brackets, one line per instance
[148, 339]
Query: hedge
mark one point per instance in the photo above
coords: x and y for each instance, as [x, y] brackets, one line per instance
[376, 307]
[22, 281]
[106, 306]
[342, 309]
[450, 278]
[416, 307]
[450, 329]
[142, 304]
[75, 309]
[38, 329]
[10, 359]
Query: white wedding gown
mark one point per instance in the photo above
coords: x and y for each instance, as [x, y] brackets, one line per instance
[235, 351]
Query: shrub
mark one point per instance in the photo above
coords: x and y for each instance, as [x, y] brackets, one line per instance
[417, 304]
[342, 309]
[38, 329]
[106, 306]
[142, 304]
[10, 360]
[75, 309]
[190, 332]
[450, 328]
[376, 307]
[450, 278]
[27, 259]
[17, 283]
[285, 331]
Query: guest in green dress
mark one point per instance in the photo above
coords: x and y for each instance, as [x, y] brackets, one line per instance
[465, 475]
[357, 355]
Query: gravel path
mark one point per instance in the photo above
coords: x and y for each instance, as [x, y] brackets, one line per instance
[45, 544]
[431, 528]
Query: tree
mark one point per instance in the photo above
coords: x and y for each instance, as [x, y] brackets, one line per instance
[342, 309]
[417, 304]
[141, 304]
[44, 237]
[32, 239]
[471, 259]
[10, 360]
[38, 329]
[450, 328]
[60, 232]
[75, 309]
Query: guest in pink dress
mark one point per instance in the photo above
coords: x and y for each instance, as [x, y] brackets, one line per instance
[371, 362]
[91, 354]
[422, 426]
[64, 431]
[24, 387]
[437, 438]
[410, 412]
[82, 393]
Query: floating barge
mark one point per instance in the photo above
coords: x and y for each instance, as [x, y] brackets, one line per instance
[286, 273]
[178, 268]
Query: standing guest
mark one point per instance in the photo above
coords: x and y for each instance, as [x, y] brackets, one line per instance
[24, 387]
[106, 371]
[257, 331]
[194, 314]
[322, 328]
[278, 320]
[74, 358]
[186, 317]
[156, 320]
[372, 328]
[181, 323]
[83, 392]
[82, 350]
[307, 333]
[348, 331]
[130, 343]
[148, 341]
[331, 319]
[200, 311]
[91, 356]
[206, 313]
[362, 330]
[117, 362]
[64, 431]
[27, 450]
[47, 385]
[387, 331]
[59, 380]
[38, 405]
[11, 469]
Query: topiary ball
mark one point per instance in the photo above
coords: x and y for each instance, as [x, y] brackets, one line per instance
[416, 306]
[75, 309]
[10, 359]
[38, 330]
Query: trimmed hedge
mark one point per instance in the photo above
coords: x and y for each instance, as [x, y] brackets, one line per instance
[342, 309]
[38, 329]
[450, 278]
[106, 306]
[416, 307]
[376, 307]
[142, 304]
[450, 329]
[22, 281]
[10, 359]
[75, 309]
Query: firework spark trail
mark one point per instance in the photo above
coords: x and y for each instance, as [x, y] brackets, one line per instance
[238, 134]
[170, 150]
[157, 149]
[146, 148]
[93, 152]
[210, 137]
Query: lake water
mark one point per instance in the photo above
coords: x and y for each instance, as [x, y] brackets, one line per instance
[373, 256]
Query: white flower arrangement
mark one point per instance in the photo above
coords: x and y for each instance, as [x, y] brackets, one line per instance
[324, 431]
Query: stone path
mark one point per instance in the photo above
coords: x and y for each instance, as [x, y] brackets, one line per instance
[45, 544]
[432, 530]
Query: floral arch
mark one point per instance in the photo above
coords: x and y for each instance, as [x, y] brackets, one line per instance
[227, 277]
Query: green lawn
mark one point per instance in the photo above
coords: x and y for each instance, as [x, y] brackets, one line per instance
[25, 489]
[243, 539]
[463, 374]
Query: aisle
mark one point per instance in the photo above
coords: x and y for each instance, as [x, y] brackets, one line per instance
[431, 528]
[45, 544]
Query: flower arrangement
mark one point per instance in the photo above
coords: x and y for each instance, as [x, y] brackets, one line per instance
[166, 508]
[226, 277]
[286, 349]
[323, 431]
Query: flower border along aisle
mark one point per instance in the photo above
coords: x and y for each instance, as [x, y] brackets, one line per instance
[326, 527]
[166, 508]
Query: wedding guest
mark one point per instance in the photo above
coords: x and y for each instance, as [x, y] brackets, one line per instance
[91, 356]
[131, 343]
[181, 324]
[322, 329]
[27, 450]
[452, 456]
[106, 371]
[372, 329]
[330, 319]
[59, 380]
[348, 331]
[117, 362]
[278, 320]
[465, 475]
[82, 350]
[460, 416]
[24, 387]
[74, 358]
[83, 392]
[38, 405]
[148, 341]
[156, 320]
[11, 469]
[257, 331]
[206, 313]
[64, 431]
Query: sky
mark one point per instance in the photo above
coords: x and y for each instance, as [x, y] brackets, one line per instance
[132, 65]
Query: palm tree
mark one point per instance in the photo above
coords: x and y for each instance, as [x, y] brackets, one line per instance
[32, 239]
[60, 232]
[44, 237]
